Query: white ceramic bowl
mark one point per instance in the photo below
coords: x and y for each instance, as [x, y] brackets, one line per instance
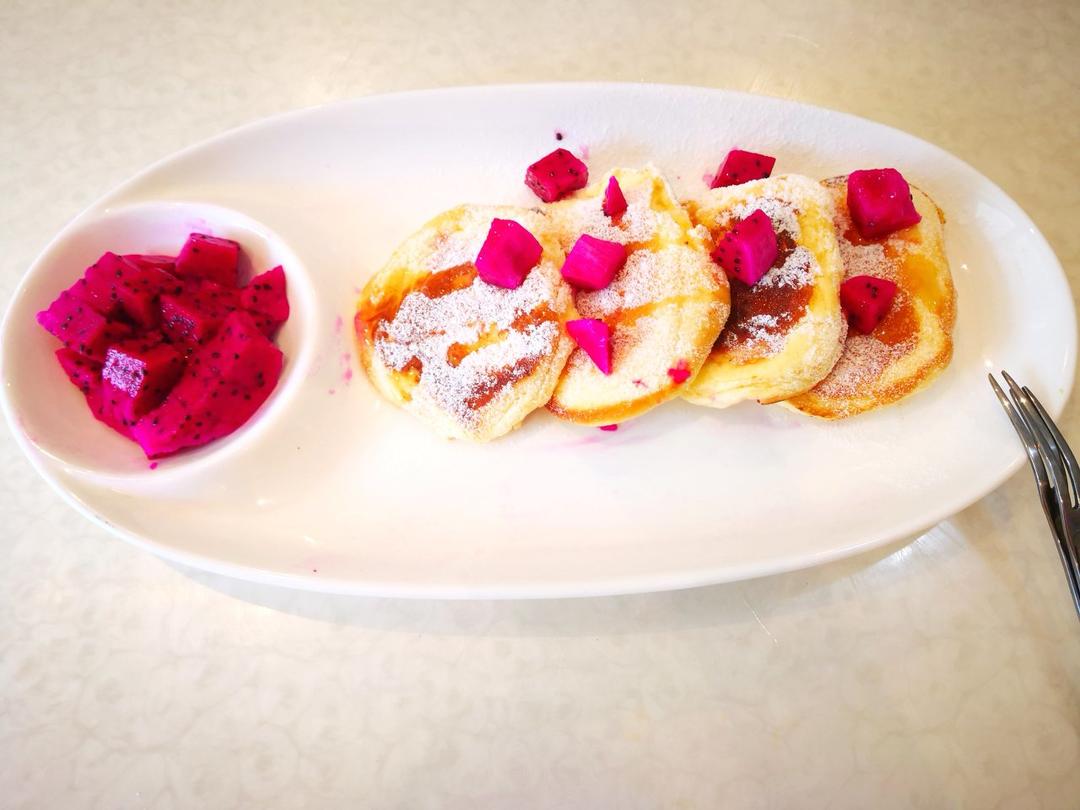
[53, 413]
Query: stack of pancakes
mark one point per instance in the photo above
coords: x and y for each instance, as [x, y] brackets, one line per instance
[473, 360]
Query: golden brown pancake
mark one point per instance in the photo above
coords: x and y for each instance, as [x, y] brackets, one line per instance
[470, 359]
[786, 331]
[913, 343]
[665, 307]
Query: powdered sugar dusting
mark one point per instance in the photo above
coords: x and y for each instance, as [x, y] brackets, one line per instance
[760, 334]
[800, 269]
[865, 260]
[425, 328]
[646, 278]
[749, 337]
[586, 215]
[781, 212]
[455, 249]
[864, 358]
[861, 364]
[656, 303]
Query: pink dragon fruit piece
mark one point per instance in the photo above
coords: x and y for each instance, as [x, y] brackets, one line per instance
[609, 428]
[209, 257]
[99, 289]
[680, 373]
[115, 286]
[879, 201]
[80, 327]
[264, 297]
[84, 373]
[194, 315]
[741, 167]
[139, 373]
[748, 250]
[166, 263]
[866, 300]
[554, 176]
[592, 263]
[508, 254]
[108, 411]
[614, 201]
[594, 336]
[224, 384]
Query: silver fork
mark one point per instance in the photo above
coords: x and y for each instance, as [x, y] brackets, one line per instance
[1057, 475]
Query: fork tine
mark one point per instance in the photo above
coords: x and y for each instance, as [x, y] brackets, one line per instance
[1071, 467]
[1035, 459]
[1059, 482]
[1026, 437]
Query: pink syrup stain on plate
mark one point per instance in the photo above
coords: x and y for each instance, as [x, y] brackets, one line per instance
[345, 358]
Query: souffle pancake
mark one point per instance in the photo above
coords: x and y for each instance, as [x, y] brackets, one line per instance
[664, 308]
[786, 330]
[913, 342]
[469, 358]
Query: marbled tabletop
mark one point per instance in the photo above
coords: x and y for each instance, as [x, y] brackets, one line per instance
[940, 673]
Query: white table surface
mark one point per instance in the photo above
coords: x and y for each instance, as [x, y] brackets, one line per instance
[942, 673]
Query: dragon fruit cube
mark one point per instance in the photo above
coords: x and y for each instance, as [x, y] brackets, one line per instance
[223, 385]
[80, 327]
[139, 373]
[508, 254]
[166, 263]
[741, 167]
[193, 315]
[866, 300]
[114, 285]
[556, 175]
[84, 373]
[614, 200]
[879, 201]
[748, 250]
[594, 336]
[210, 258]
[592, 263]
[264, 297]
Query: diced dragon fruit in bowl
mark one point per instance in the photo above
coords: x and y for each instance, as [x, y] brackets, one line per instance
[171, 352]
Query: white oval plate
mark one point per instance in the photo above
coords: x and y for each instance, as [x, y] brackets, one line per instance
[339, 491]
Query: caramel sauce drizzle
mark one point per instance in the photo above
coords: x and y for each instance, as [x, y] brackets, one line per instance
[785, 303]
[373, 315]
